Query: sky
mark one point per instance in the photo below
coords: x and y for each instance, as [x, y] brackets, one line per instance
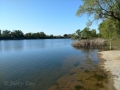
[55, 17]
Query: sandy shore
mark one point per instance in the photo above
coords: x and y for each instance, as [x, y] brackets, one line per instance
[112, 64]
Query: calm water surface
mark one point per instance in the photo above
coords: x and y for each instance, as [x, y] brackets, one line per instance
[38, 64]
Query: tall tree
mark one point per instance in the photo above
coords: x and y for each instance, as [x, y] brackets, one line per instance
[51, 36]
[65, 35]
[85, 33]
[78, 32]
[109, 28]
[0, 34]
[6, 34]
[74, 36]
[28, 36]
[93, 33]
[100, 9]
[17, 34]
[42, 35]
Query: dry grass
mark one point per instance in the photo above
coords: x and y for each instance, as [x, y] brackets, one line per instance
[90, 43]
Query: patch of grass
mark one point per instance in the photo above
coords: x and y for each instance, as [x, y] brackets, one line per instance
[100, 77]
[78, 87]
[57, 87]
[86, 71]
[100, 85]
[80, 81]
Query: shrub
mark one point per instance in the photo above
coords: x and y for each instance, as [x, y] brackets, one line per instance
[90, 43]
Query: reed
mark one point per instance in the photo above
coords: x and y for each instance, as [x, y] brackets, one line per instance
[90, 43]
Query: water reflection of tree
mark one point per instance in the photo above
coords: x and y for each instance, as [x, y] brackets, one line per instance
[87, 52]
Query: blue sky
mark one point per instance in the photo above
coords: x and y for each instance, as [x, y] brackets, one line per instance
[55, 17]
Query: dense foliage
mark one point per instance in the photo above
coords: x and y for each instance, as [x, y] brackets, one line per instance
[101, 9]
[109, 12]
[86, 33]
[18, 34]
[109, 29]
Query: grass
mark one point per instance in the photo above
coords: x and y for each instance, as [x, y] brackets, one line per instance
[100, 77]
[80, 81]
[78, 87]
[100, 85]
[90, 43]
[86, 71]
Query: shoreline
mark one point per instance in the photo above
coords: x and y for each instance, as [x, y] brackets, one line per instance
[111, 64]
[110, 84]
[89, 77]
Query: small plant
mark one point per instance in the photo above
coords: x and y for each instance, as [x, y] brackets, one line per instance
[100, 85]
[80, 81]
[86, 71]
[78, 87]
[100, 77]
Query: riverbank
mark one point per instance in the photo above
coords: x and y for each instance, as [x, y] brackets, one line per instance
[111, 64]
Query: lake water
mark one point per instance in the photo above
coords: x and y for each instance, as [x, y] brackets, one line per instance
[40, 64]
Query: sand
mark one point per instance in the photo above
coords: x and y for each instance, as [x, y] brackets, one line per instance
[112, 64]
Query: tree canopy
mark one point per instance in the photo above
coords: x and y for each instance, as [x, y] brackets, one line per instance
[84, 34]
[109, 28]
[101, 9]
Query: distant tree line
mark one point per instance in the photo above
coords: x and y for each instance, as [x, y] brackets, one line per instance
[18, 34]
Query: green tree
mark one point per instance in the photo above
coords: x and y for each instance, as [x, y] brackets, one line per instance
[78, 32]
[28, 36]
[69, 35]
[51, 36]
[42, 35]
[17, 34]
[100, 9]
[109, 28]
[85, 33]
[0, 34]
[6, 34]
[93, 33]
[65, 35]
[74, 36]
